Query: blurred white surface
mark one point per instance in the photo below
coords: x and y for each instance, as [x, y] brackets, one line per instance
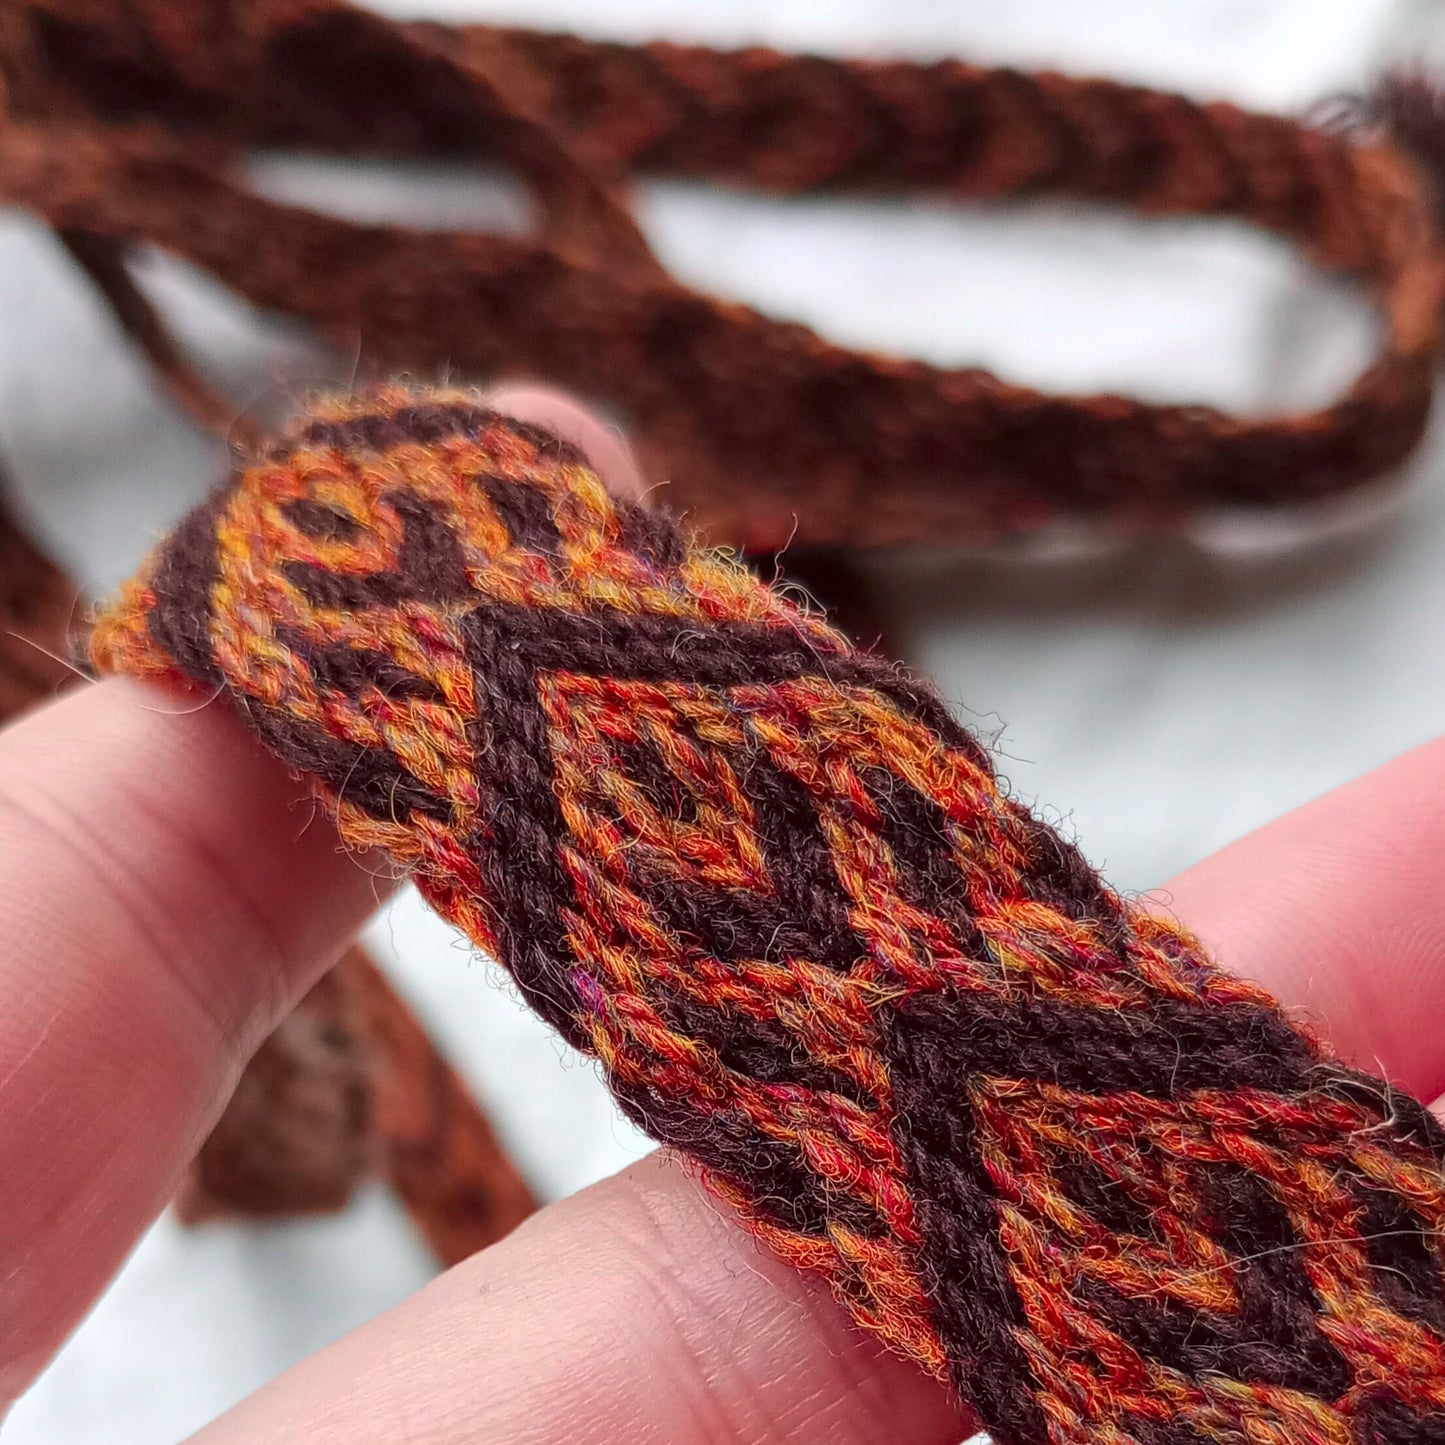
[1163, 698]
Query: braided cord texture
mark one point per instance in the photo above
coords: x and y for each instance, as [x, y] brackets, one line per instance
[770, 429]
[1030, 1134]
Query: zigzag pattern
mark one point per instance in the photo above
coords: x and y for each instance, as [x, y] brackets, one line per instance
[1031, 1135]
[769, 431]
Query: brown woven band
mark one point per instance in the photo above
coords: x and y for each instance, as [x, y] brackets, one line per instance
[123, 121]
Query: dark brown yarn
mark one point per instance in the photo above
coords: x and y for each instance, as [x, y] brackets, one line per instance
[102, 259]
[122, 118]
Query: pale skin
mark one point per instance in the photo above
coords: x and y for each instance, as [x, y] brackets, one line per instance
[169, 894]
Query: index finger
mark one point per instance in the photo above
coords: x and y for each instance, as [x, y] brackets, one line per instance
[166, 901]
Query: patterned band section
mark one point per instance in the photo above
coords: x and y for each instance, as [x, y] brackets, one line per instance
[1031, 1135]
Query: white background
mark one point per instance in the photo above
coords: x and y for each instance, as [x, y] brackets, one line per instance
[1160, 699]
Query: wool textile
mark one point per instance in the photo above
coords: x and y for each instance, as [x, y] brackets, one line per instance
[1032, 1136]
[129, 125]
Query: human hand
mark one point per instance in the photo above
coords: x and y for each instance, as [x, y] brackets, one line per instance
[170, 897]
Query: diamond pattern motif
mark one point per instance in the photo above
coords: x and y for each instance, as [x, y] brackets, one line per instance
[1030, 1134]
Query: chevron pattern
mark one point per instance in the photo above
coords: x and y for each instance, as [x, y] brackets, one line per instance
[1031, 1135]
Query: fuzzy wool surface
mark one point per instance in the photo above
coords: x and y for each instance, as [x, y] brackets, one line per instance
[1031, 1136]
[1228, 654]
